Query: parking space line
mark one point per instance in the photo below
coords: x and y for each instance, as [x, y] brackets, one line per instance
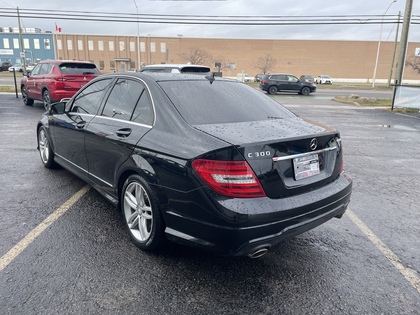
[408, 273]
[29, 238]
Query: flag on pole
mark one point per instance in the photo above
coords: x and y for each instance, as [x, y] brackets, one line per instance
[57, 29]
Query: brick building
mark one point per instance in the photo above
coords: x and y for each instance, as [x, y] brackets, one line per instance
[346, 60]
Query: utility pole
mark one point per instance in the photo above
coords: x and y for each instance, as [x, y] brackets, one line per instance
[22, 50]
[395, 49]
[404, 41]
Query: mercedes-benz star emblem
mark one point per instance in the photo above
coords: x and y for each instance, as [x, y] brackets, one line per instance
[313, 144]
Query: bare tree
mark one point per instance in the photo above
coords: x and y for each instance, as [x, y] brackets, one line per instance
[414, 63]
[220, 64]
[265, 63]
[195, 56]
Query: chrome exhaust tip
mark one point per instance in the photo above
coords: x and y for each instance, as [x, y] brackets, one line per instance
[259, 253]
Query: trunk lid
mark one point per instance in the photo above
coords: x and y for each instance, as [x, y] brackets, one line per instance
[289, 156]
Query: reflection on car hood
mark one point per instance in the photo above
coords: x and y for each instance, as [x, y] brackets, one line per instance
[261, 131]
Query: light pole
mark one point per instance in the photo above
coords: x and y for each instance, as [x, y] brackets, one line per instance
[379, 43]
[138, 38]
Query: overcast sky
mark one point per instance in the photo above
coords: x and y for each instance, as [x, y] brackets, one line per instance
[221, 8]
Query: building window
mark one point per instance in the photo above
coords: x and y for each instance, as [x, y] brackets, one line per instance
[101, 65]
[152, 47]
[6, 43]
[132, 46]
[16, 43]
[232, 65]
[90, 44]
[142, 47]
[26, 43]
[47, 44]
[36, 44]
[122, 46]
[100, 45]
[69, 44]
[79, 44]
[59, 44]
[132, 65]
[111, 46]
[112, 65]
[163, 47]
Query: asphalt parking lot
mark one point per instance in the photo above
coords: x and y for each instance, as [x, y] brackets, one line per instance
[64, 249]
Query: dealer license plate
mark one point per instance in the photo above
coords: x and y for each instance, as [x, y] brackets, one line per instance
[306, 166]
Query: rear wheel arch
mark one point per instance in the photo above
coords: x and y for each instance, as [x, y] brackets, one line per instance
[141, 212]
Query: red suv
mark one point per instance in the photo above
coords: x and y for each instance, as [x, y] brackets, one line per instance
[52, 80]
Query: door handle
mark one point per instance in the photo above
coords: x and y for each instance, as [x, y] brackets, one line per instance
[124, 132]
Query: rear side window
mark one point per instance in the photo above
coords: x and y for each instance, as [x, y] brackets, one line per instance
[78, 68]
[129, 100]
[200, 102]
[123, 99]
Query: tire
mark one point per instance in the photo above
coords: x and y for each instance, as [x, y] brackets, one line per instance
[26, 100]
[141, 214]
[46, 99]
[45, 151]
[305, 91]
[272, 90]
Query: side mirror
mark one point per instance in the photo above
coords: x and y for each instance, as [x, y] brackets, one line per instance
[27, 73]
[58, 108]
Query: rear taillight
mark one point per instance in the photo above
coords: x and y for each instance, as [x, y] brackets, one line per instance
[229, 178]
[263, 81]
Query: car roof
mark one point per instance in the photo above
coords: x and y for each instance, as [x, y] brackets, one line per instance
[174, 65]
[64, 61]
[165, 77]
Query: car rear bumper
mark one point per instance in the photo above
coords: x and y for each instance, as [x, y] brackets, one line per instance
[57, 95]
[250, 225]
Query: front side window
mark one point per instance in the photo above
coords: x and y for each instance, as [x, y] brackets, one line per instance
[89, 99]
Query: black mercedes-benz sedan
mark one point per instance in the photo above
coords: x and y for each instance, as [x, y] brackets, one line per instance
[199, 160]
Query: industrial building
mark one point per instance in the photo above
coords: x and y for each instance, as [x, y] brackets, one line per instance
[341, 59]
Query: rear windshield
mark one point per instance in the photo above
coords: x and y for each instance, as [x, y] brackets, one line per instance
[78, 68]
[195, 70]
[200, 102]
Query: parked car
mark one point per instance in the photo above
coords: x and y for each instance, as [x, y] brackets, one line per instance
[307, 78]
[323, 79]
[258, 77]
[52, 80]
[177, 68]
[199, 160]
[30, 66]
[4, 66]
[243, 77]
[276, 82]
[18, 67]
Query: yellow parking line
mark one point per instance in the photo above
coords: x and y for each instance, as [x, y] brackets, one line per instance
[28, 239]
[407, 272]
